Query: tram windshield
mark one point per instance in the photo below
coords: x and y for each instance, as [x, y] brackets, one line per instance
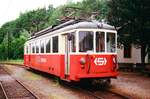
[100, 42]
[86, 41]
[111, 42]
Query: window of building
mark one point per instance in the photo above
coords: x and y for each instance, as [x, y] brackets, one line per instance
[55, 44]
[127, 51]
[100, 42]
[85, 41]
[42, 46]
[48, 42]
[111, 42]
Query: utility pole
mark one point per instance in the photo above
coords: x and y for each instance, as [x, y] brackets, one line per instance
[8, 45]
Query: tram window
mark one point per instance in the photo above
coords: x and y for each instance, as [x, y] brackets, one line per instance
[85, 41]
[37, 47]
[73, 42]
[55, 44]
[42, 46]
[29, 48]
[47, 46]
[33, 48]
[100, 41]
[111, 42]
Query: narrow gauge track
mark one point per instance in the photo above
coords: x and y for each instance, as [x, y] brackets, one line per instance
[91, 92]
[105, 94]
[11, 88]
[95, 93]
[2, 93]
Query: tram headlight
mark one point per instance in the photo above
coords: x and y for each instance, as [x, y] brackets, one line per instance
[82, 61]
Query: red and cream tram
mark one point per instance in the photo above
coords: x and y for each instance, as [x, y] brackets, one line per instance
[74, 50]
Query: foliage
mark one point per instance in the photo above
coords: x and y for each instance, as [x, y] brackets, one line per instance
[86, 9]
[33, 21]
[132, 19]
[17, 45]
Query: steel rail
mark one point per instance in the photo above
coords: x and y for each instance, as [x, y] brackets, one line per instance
[23, 85]
[90, 92]
[3, 91]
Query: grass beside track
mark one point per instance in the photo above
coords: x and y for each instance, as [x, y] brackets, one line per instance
[17, 61]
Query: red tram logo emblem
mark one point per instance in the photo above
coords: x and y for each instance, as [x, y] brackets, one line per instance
[100, 61]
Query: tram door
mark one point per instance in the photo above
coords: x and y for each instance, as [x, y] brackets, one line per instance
[29, 57]
[67, 54]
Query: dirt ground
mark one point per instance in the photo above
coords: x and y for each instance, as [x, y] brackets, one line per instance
[45, 87]
[135, 85]
[132, 84]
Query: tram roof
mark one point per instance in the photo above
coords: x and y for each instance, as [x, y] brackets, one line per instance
[74, 24]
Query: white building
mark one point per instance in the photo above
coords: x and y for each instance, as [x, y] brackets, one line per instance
[129, 54]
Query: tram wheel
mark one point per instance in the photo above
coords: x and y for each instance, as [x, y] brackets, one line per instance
[28, 68]
[101, 83]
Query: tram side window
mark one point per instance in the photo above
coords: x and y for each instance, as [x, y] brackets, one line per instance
[111, 42]
[33, 48]
[85, 41]
[29, 48]
[42, 46]
[37, 47]
[100, 41]
[47, 46]
[55, 44]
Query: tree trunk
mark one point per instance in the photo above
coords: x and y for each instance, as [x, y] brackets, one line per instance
[143, 55]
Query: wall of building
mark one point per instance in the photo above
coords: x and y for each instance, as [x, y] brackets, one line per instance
[135, 56]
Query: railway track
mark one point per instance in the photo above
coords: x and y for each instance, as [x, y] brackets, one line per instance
[90, 92]
[11, 88]
[105, 94]
[96, 94]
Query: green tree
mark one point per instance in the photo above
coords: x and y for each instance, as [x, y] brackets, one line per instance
[87, 8]
[33, 21]
[99, 6]
[18, 45]
[132, 19]
[3, 52]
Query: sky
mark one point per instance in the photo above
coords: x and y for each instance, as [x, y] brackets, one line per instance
[11, 9]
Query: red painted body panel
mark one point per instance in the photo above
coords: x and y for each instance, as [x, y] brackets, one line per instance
[90, 69]
[55, 64]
